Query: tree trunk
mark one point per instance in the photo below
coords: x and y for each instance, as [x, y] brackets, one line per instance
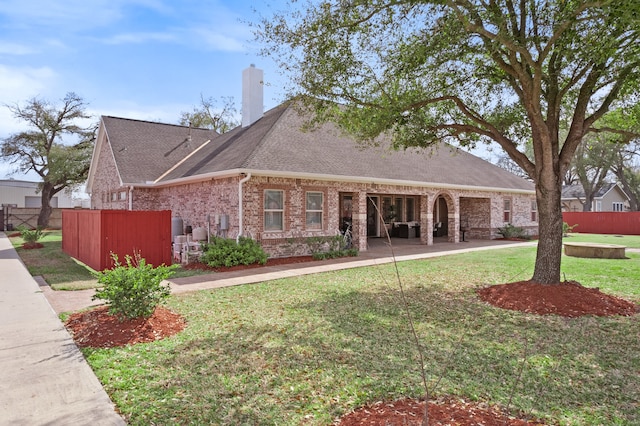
[549, 255]
[45, 210]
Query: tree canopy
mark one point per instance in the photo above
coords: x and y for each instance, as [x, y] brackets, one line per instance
[62, 164]
[467, 71]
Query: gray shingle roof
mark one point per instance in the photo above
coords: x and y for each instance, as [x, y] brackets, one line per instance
[277, 144]
[577, 191]
[145, 150]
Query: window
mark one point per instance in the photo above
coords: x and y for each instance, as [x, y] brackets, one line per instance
[273, 210]
[399, 209]
[410, 210]
[618, 206]
[314, 210]
[114, 196]
[507, 210]
[123, 195]
[534, 211]
[388, 212]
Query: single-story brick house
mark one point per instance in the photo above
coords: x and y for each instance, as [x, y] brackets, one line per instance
[272, 181]
[610, 198]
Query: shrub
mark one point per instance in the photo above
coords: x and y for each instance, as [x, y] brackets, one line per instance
[30, 236]
[135, 289]
[510, 231]
[333, 254]
[228, 252]
[330, 247]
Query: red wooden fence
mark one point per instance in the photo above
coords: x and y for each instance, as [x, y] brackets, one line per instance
[92, 235]
[621, 223]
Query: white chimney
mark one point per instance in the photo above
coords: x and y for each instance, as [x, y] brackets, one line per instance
[252, 95]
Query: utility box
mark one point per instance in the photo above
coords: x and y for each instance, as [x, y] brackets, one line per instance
[224, 222]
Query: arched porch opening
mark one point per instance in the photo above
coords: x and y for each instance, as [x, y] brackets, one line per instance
[444, 218]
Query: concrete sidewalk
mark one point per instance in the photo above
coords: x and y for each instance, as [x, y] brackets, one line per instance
[378, 253]
[44, 379]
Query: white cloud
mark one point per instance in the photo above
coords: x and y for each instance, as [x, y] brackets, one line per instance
[137, 38]
[18, 85]
[8, 48]
[64, 14]
[217, 40]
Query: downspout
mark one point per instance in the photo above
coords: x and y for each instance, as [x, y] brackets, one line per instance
[240, 207]
[131, 197]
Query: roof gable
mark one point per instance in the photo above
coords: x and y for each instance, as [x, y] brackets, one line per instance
[576, 191]
[230, 151]
[144, 150]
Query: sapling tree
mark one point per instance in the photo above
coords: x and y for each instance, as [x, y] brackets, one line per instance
[133, 289]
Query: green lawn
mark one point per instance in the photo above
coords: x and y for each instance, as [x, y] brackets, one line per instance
[308, 349]
[59, 270]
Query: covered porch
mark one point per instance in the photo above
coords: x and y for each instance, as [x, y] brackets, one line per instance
[415, 219]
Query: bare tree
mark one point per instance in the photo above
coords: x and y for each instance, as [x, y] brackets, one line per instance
[627, 170]
[593, 164]
[208, 116]
[505, 162]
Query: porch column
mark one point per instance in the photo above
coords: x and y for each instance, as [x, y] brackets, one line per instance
[426, 220]
[454, 220]
[360, 222]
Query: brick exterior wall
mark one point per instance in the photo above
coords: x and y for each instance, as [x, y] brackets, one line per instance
[106, 183]
[482, 212]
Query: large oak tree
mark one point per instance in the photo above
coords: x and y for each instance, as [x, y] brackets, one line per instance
[62, 164]
[467, 70]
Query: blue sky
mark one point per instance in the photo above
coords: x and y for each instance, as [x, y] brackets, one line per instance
[143, 59]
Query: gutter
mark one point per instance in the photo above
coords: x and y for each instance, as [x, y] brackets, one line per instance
[327, 177]
[131, 197]
[240, 206]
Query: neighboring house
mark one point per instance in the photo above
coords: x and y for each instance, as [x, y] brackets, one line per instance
[278, 184]
[22, 193]
[610, 198]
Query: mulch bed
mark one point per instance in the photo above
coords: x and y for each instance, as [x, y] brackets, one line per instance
[567, 299]
[444, 411]
[99, 329]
